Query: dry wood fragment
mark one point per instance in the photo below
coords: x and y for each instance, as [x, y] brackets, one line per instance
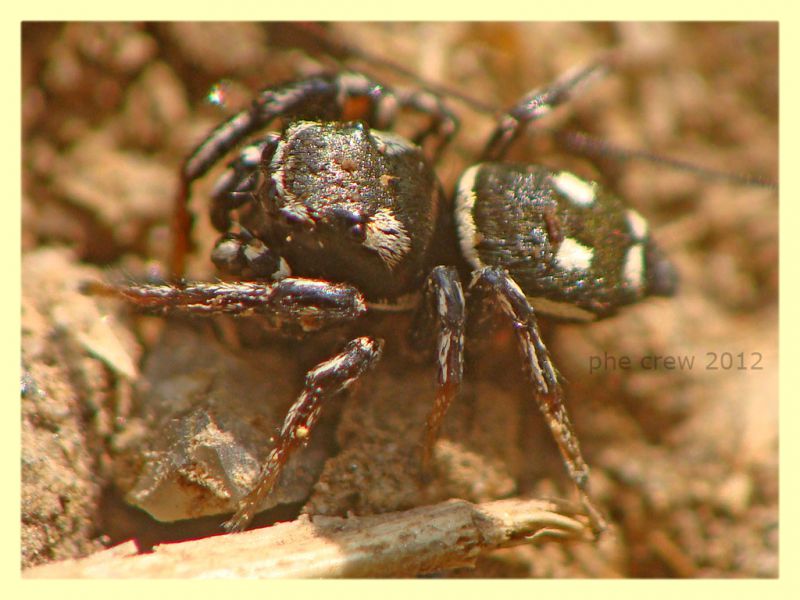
[422, 540]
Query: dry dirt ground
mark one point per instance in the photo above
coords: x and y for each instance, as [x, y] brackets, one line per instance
[121, 410]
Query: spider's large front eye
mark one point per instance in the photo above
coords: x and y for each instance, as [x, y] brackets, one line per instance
[293, 218]
[357, 232]
[288, 218]
[353, 222]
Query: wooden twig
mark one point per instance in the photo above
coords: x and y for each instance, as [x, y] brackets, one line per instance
[423, 540]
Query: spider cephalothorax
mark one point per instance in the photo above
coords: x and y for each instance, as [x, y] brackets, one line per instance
[347, 203]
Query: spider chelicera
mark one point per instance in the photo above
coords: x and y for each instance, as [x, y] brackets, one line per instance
[333, 216]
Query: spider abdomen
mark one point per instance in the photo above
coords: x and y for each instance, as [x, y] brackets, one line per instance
[575, 249]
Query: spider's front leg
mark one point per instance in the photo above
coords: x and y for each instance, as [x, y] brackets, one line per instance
[495, 284]
[299, 305]
[240, 181]
[322, 383]
[296, 304]
[441, 311]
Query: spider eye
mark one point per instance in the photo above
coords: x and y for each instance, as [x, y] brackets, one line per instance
[291, 218]
[353, 223]
[357, 232]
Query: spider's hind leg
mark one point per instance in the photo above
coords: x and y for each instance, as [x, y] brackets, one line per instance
[495, 284]
[538, 104]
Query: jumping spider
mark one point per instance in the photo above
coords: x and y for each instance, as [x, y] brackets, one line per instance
[335, 216]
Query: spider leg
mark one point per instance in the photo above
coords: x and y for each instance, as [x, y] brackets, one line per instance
[495, 283]
[323, 382]
[291, 304]
[239, 182]
[345, 96]
[442, 310]
[537, 104]
[243, 255]
[443, 124]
